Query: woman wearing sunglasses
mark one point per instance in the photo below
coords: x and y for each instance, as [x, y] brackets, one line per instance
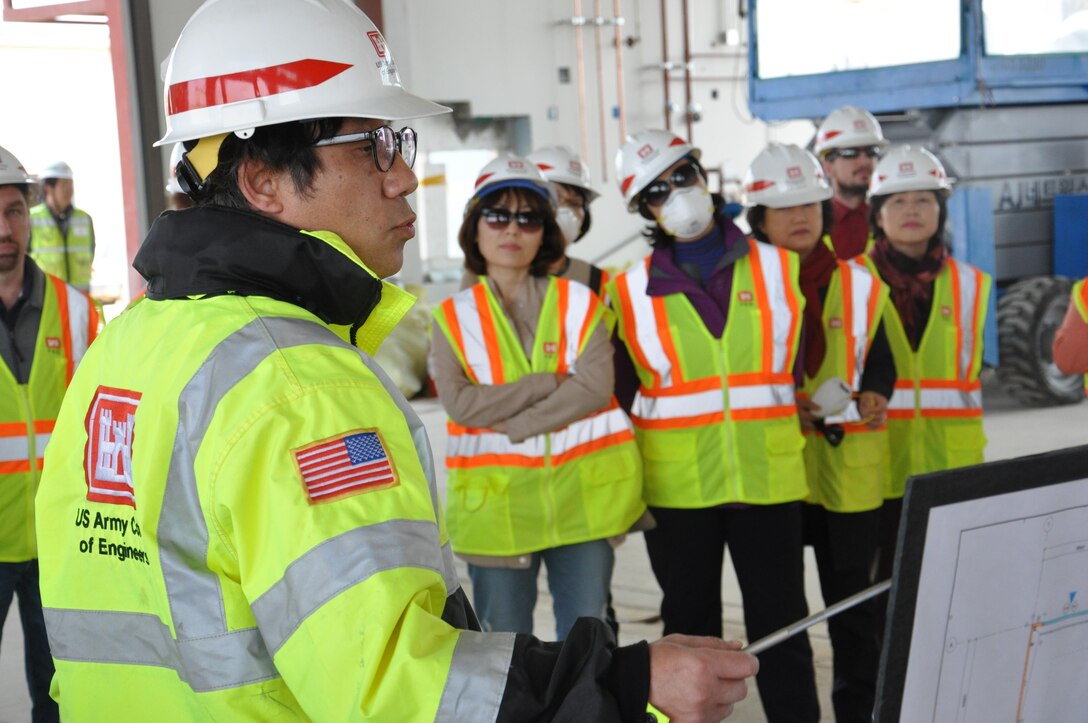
[711, 322]
[934, 324]
[570, 178]
[849, 374]
[543, 464]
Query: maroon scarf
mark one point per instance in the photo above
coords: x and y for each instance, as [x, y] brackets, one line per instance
[910, 281]
[816, 271]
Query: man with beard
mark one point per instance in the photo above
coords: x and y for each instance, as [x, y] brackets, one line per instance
[48, 326]
[849, 143]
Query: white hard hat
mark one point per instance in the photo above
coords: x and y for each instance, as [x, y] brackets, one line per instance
[172, 186]
[241, 64]
[848, 127]
[785, 175]
[909, 168]
[645, 156]
[11, 170]
[510, 171]
[560, 164]
[56, 169]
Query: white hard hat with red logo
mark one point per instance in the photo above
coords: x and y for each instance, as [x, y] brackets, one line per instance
[172, 186]
[242, 64]
[560, 164]
[12, 172]
[848, 127]
[909, 168]
[782, 176]
[56, 169]
[510, 171]
[645, 156]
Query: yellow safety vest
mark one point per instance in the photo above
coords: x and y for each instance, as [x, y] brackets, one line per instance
[935, 413]
[29, 411]
[199, 567]
[578, 483]
[716, 419]
[69, 257]
[852, 476]
[1080, 299]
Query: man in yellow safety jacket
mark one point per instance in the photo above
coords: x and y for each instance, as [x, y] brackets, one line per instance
[62, 238]
[243, 510]
[49, 325]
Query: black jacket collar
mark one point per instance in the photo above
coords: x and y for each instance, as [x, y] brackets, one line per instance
[211, 251]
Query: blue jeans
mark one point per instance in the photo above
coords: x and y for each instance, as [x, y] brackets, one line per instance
[578, 576]
[22, 578]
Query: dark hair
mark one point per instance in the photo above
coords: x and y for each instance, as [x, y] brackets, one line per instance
[877, 202]
[757, 214]
[49, 182]
[281, 147]
[551, 246]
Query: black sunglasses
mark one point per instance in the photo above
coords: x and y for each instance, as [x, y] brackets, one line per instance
[658, 192]
[852, 153]
[385, 143]
[499, 218]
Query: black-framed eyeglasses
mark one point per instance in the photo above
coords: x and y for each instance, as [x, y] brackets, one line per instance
[385, 143]
[499, 218]
[849, 154]
[658, 192]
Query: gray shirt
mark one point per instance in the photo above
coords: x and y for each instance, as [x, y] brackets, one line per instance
[20, 323]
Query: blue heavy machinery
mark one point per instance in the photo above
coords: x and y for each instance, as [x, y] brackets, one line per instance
[998, 89]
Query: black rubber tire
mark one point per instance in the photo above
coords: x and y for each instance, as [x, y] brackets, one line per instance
[1028, 314]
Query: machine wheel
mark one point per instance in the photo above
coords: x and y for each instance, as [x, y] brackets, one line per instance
[1028, 315]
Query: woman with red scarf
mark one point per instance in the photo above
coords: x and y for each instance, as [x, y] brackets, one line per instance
[849, 375]
[934, 325]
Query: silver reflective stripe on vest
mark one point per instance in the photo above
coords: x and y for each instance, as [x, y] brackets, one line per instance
[79, 323]
[206, 655]
[339, 563]
[477, 679]
[16, 449]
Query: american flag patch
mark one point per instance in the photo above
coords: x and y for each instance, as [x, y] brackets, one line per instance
[346, 464]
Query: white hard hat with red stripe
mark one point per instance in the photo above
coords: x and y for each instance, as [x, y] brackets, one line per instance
[645, 156]
[11, 170]
[848, 127]
[783, 175]
[242, 64]
[909, 168]
[510, 171]
[560, 164]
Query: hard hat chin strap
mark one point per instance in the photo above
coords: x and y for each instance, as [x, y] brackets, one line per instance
[197, 164]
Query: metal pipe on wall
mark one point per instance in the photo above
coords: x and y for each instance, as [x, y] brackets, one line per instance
[687, 71]
[579, 53]
[598, 21]
[665, 62]
[617, 21]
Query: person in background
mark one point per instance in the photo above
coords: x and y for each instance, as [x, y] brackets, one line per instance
[848, 362]
[574, 191]
[543, 466]
[241, 508]
[62, 236]
[849, 142]
[934, 326]
[711, 323]
[1070, 347]
[176, 197]
[49, 325]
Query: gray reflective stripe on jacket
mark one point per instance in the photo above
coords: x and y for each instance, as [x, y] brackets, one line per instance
[206, 655]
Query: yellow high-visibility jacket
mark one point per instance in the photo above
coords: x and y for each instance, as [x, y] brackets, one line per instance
[69, 257]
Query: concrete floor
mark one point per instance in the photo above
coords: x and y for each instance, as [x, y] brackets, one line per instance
[1012, 431]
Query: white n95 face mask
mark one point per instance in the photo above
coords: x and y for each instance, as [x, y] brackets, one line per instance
[569, 224]
[687, 213]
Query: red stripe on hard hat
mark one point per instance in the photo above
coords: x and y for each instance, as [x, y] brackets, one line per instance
[544, 166]
[626, 183]
[483, 178]
[831, 134]
[676, 142]
[758, 186]
[250, 84]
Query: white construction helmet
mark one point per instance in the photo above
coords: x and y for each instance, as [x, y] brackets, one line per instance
[782, 176]
[56, 169]
[11, 170]
[560, 164]
[645, 156]
[241, 64]
[909, 168]
[172, 186]
[848, 127]
[510, 171]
